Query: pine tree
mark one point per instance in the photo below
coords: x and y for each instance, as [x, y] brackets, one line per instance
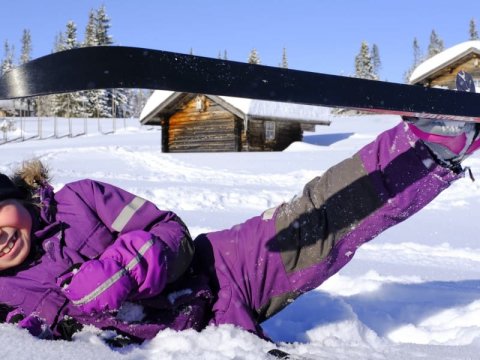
[26, 56]
[284, 63]
[436, 45]
[417, 59]
[363, 63]
[91, 30]
[254, 58]
[71, 41]
[103, 26]
[473, 30]
[111, 102]
[69, 104]
[90, 39]
[8, 57]
[59, 42]
[26, 52]
[98, 103]
[74, 101]
[417, 53]
[376, 62]
[224, 56]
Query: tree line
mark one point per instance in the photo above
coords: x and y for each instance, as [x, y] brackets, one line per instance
[435, 46]
[93, 103]
[368, 64]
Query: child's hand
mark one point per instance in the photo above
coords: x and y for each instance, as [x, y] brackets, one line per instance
[99, 285]
[134, 267]
[34, 324]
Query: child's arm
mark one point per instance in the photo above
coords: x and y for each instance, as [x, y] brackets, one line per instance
[153, 248]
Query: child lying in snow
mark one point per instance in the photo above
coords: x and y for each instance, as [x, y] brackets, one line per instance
[74, 257]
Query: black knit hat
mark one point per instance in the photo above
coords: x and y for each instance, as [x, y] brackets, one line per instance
[8, 190]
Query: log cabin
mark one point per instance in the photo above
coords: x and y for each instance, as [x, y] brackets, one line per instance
[441, 69]
[15, 108]
[207, 123]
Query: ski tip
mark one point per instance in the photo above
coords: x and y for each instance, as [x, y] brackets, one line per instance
[464, 82]
[280, 354]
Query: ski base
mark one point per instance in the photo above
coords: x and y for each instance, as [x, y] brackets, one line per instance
[106, 67]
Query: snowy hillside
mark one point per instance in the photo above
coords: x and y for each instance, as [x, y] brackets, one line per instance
[412, 293]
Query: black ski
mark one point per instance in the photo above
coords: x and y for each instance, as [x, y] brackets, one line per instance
[126, 67]
[280, 354]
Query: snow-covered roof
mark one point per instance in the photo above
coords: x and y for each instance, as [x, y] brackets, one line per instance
[246, 107]
[444, 58]
[6, 104]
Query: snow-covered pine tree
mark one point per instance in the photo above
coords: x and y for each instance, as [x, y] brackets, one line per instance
[284, 63]
[90, 39]
[254, 58]
[436, 44]
[71, 40]
[137, 101]
[26, 56]
[8, 57]
[363, 63]
[70, 104]
[417, 59]
[75, 101]
[113, 102]
[473, 30]
[26, 50]
[121, 104]
[220, 56]
[49, 105]
[417, 53]
[58, 42]
[91, 30]
[376, 62]
[96, 33]
[103, 26]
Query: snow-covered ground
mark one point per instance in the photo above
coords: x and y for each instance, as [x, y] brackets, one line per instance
[412, 293]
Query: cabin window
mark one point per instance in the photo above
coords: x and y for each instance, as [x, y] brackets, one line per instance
[199, 104]
[269, 130]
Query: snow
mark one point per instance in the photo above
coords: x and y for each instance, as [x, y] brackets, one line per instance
[412, 293]
[444, 58]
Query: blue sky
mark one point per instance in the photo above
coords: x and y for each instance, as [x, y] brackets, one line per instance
[319, 35]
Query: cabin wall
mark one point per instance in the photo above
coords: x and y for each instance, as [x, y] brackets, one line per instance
[211, 129]
[285, 134]
[447, 77]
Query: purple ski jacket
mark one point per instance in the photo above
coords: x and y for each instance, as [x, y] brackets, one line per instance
[97, 247]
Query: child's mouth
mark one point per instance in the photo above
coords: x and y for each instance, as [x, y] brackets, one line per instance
[9, 246]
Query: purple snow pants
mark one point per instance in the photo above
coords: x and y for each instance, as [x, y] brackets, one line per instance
[259, 267]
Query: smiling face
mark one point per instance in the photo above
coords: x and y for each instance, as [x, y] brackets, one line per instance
[15, 227]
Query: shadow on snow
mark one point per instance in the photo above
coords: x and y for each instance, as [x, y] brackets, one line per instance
[391, 306]
[326, 139]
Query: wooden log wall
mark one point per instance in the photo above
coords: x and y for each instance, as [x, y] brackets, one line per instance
[212, 129]
[285, 134]
[448, 77]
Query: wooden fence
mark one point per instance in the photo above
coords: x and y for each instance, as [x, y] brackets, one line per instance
[26, 128]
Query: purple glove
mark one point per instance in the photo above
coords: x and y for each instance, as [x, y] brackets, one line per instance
[99, 285]
[131, 268]
[35, 326]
